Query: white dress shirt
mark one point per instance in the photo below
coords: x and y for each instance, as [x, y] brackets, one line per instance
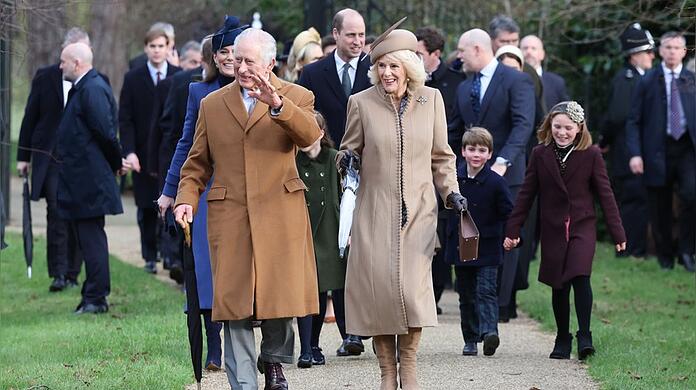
[351, 71]
[153, 71]
[249, 102]
[67, 86]
[487, 75]
[668, 81]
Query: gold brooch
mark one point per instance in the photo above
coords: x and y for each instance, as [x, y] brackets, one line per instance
[422, 99]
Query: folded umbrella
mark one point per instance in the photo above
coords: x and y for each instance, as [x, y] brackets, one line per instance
[193, 311]
[27, 233]
[350, 184]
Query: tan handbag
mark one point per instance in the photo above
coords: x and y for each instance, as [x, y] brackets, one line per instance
[468, 238]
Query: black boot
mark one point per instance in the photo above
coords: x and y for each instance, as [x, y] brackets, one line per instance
[585, 347]
[562, 346]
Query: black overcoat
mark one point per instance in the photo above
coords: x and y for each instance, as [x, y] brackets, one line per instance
[88, 151]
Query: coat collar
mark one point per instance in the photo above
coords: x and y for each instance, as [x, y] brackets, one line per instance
[480, 177]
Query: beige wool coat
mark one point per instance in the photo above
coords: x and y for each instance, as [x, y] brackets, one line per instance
[388, 282]
[259, 233]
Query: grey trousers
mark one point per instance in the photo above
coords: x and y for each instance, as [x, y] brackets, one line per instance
[277, 346]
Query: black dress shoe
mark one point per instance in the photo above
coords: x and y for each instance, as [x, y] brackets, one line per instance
[585, 347]
[666, 263]
[341, 351]
[318, 358]
[90, 308]
[151, 267]
[354, 345]
[58, 284]
[275, 380]
[438, 310]
[562, 347]
[470, 349]
[503, 314]
[687, 261]
[491, 342]
[71, 282]
[305, 360]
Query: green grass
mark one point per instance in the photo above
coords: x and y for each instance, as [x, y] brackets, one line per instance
[140, 343]
[643, 322]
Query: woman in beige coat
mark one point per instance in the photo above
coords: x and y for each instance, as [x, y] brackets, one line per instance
[397, 130]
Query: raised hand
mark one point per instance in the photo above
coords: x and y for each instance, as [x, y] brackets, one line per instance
[264, 91]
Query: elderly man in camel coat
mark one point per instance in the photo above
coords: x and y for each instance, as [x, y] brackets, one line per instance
[247, 136]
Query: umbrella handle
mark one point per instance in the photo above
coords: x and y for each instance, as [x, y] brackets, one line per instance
[187, 234]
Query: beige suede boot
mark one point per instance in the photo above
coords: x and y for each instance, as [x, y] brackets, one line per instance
[385, 349]
[408, 345]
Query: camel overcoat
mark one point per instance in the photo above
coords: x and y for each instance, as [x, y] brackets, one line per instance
[259, 233]
[405, 162]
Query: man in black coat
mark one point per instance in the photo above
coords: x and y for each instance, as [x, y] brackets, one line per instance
[638, 48]
[431, 43]
[340, 74]
[661, 140]
[89, 155]
[137, 116]
[554, 86]
[172, 55]
[37, 141]
[501, 100]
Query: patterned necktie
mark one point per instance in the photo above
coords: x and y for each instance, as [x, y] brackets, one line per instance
[345, 79]
[676, 129]
[476, 96]
[159, 77]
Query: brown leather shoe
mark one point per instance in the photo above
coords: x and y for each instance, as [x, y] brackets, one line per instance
[275, 380]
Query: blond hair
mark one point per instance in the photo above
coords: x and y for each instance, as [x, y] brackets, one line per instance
[412, 64]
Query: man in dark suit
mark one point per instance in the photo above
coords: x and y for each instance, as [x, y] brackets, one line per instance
[90, 155]
[332, 80]
[431, 43]
[638, 49]
[661, 139]
[37, 140]
[501, 100]
[337, 76]
[554, 85]
[137, 116]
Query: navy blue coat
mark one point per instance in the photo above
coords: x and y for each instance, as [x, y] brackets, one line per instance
[490, 204]
[507, 111]
[322, 79]
[40, 124]
[554, 89]
[88, 151]
[646, 129]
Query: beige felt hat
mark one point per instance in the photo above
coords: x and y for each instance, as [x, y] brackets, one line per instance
[392, 40]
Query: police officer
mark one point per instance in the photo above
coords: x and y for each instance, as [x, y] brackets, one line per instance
[637, 47]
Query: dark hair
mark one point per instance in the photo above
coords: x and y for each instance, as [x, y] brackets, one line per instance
[154, 34]
[432, 38]
[510, 55]
[369, 39]
[502, 23]
[207, 55]
[327, 40]
[326, 141]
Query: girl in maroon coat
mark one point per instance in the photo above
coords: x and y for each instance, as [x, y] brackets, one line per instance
[567, 173]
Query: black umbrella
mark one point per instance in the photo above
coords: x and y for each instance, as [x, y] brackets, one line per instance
[27, 234]
[193, 310]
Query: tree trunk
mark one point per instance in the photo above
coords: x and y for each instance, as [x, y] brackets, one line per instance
[108, 40]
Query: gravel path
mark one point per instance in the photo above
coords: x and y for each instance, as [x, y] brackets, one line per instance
[521, 361]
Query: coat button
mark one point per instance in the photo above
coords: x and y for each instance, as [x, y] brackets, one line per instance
[322, 189]
[322, 202]
[321, 174]
[306, 174]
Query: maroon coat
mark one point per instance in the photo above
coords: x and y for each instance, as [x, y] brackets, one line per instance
[568, 231]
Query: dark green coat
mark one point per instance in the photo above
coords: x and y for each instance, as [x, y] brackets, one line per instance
[323, 201]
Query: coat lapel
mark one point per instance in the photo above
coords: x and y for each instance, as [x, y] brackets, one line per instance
[573, 163]
[57, 84]
[549, 158]
[233, 100]
[496, 80]
[147, 80]
[362, 79]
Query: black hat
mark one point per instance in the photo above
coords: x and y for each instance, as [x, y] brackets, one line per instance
[226, 35]
[634, 40]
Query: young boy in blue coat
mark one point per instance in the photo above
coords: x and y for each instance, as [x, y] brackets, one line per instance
[490, 204]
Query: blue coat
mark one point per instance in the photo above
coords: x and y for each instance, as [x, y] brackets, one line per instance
[646, 129]
[507, 111]
[88, 151]
[322, 79]
[490, 204]
[201, 253]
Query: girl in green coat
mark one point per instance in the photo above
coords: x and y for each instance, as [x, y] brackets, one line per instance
[317, 168]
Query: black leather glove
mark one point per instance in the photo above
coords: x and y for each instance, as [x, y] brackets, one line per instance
[350, 158]
[457, 202]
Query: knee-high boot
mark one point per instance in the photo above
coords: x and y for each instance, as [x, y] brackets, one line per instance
[385, 349]
[408, 345]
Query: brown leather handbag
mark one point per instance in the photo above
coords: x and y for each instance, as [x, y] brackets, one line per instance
[468, 238]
